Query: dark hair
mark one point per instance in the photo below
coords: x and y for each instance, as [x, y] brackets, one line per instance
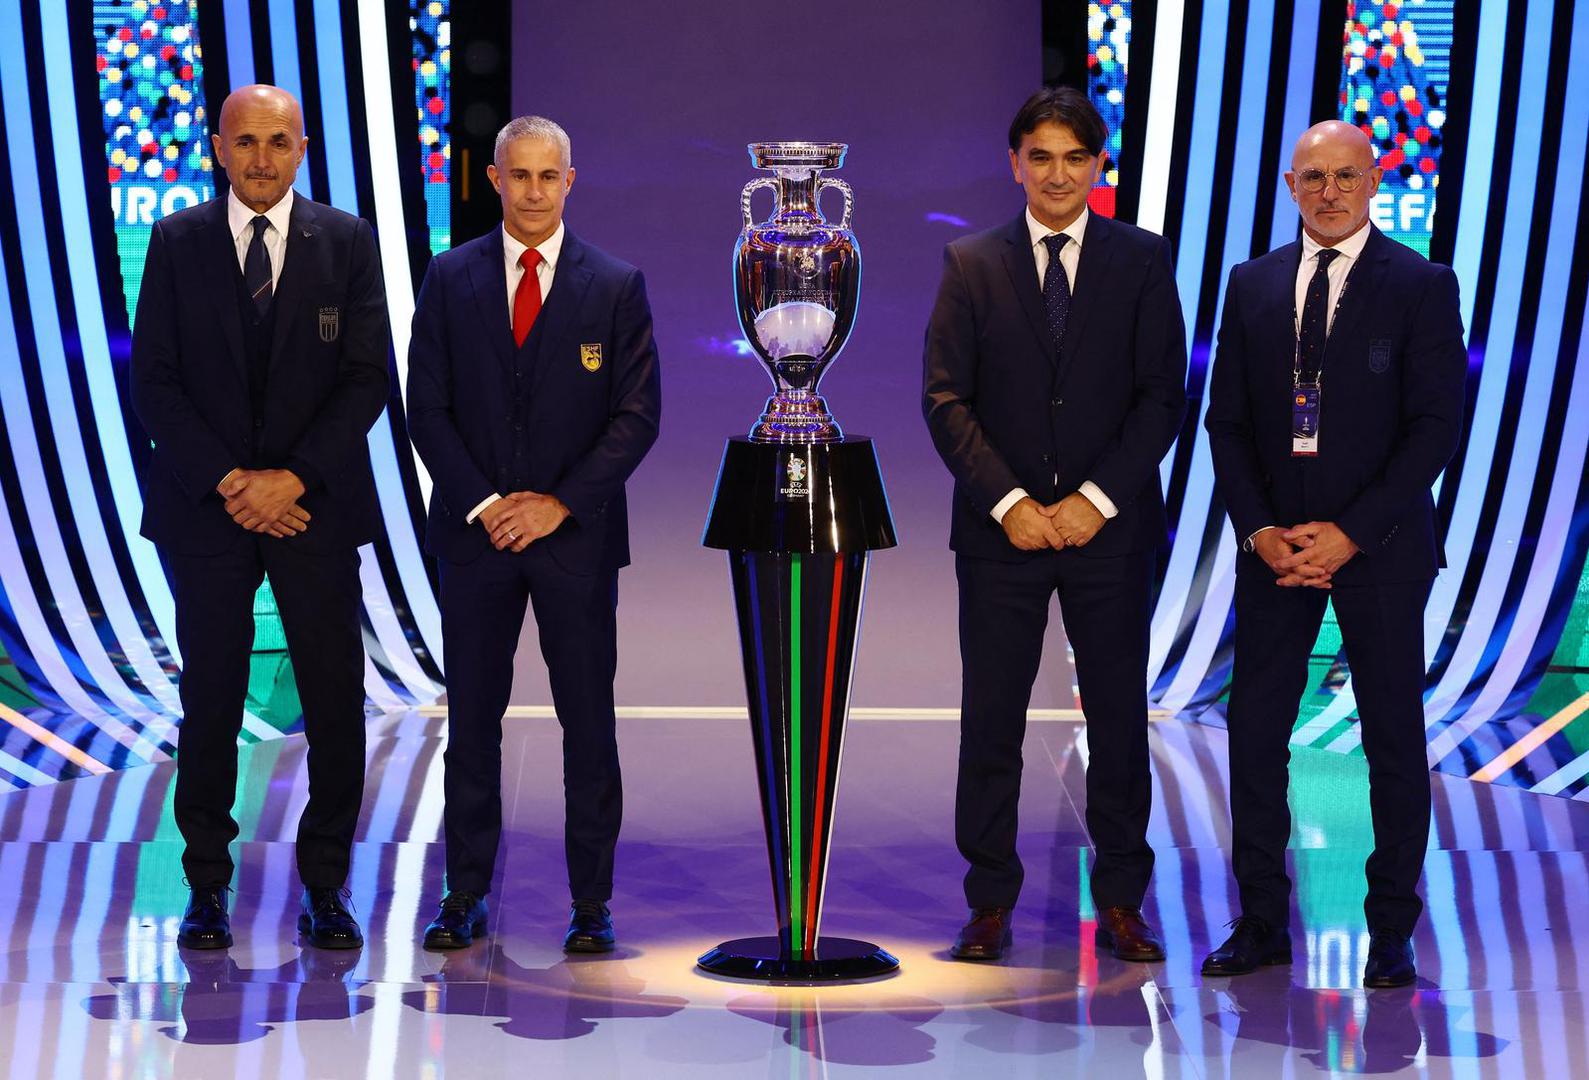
[1060, 105]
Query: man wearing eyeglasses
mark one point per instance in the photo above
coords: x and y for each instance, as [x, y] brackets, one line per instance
[1336, 400]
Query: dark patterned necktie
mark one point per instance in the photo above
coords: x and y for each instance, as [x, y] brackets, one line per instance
[1056, 290]
[256, 268]
[1314, 329]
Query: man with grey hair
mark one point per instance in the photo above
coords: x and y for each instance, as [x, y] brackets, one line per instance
[533, 393]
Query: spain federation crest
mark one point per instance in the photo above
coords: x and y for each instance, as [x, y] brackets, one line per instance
[330, 323]
[590, 357]
[1379, 351]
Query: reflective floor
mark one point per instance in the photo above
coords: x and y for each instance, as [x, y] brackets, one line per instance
[92, 983]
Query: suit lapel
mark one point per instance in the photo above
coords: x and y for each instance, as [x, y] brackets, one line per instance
[561, 306]
[1022, 268]
[488, 278]
[1362, 286]
[303, 240]
[1092, 279]
[218, 253]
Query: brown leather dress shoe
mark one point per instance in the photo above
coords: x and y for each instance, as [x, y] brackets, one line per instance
[985, 937]
[1123, 932]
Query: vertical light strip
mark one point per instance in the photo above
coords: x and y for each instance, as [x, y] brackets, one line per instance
[1160, 128]
[101, 379]
[1252, 104]
[796, 758]
[239, 44]
[863, 561]
[1299, 95]
[14, 577]
[337, 137]
[1489, 67]
[1189, 259]
[1564, 230]
[1508, 303]
[285, 70]
[390, 228]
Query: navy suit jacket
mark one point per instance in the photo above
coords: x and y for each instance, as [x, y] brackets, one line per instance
[1390, 415]
[328, 377]
[576, 431]
[1006, 410]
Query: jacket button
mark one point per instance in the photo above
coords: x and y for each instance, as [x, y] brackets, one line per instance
[1056, 402]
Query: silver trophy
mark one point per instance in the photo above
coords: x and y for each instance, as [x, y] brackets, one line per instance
[797, 280]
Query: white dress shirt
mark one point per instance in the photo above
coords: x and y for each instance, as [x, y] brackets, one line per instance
[240, 219]
[512, 250]
[1069, 261]
[1351, 249]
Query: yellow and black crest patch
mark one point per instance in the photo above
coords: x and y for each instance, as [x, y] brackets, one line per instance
[590, 357]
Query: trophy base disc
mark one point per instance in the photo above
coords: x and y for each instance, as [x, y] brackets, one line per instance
[837, 960]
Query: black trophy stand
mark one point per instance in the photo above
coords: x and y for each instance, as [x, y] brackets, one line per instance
[798, 522]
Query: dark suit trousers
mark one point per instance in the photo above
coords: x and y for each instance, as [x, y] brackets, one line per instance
[318, 595]
[482, 610]
[1382, 628]
[1003, 616]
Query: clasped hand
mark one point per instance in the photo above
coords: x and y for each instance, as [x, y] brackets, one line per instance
[1071, 522]
[265, 501]
[516, 521]
[1306, 555]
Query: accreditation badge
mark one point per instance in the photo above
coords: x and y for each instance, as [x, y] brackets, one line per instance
[1305, 421]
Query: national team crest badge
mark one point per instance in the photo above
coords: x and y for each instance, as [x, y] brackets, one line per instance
[330, 323]
[590, 357]
[1379, 355]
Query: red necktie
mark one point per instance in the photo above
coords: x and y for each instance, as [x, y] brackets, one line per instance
[527, 300]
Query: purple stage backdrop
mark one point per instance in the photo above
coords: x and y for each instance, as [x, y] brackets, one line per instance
[659, 112]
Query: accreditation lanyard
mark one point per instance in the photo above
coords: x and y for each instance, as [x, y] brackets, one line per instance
[1307, 385]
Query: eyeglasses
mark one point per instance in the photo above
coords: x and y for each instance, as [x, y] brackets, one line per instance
[1313, 180]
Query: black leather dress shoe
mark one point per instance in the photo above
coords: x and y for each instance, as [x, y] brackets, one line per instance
[205, 924]
[985, 937]
[326, 922]
[1252, 944]
[589, 928]
[1390, 961]
[1127, 935]
[462, 917]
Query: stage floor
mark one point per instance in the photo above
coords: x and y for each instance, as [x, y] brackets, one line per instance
[92, 983]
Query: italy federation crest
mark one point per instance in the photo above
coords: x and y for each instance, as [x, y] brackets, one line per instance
[330, 323]
[1379, 355]
[590, 357]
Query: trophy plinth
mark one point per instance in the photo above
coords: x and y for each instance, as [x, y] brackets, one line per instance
[799, 507]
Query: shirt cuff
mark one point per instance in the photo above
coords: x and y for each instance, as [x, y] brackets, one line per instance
[1247, 546]
[485, 502]
[222, 481]
[1002, 507]
[1094, 494]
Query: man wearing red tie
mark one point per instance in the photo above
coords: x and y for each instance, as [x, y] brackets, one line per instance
[533, 393]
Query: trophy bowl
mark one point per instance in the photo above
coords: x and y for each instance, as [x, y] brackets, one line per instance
[797, 283]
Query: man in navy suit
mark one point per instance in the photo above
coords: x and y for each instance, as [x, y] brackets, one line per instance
[533, 393]
[259, 363]
[1055, 370]
[1336, 400]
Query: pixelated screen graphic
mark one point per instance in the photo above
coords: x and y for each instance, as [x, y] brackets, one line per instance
[1395, 69]
[430, 23]
[1108, 53]
[151, 95]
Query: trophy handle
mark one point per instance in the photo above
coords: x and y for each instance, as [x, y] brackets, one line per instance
[750, 189]
[823, 183]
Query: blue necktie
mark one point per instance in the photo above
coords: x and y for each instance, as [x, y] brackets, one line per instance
[256, 268]
[1313, 329]
[1056, 290]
